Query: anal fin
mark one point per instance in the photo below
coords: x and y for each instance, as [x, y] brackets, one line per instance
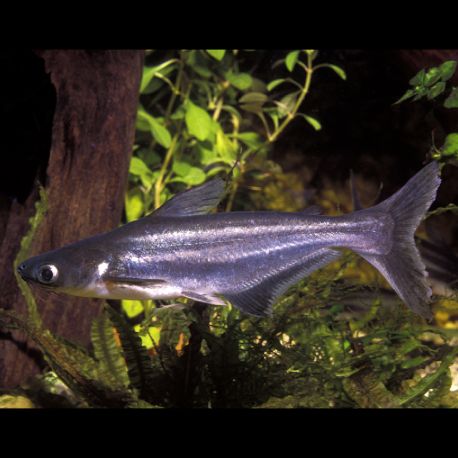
[257, 299]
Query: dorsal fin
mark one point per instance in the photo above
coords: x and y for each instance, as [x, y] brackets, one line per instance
[257, 299]
[194, 201]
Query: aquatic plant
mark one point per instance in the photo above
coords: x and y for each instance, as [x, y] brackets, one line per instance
[431, 83]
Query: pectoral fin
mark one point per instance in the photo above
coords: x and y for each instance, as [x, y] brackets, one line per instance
[144, 282]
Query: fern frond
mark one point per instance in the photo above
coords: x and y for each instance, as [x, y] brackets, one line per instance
[73, 366]
[107, 352]
[139, 364]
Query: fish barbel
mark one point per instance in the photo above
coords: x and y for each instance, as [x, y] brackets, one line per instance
[246, 258]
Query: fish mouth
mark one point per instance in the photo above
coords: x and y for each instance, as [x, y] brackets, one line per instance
[23, 273]
[29, 278]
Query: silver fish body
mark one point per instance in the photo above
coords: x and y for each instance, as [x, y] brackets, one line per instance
[246, 258]
[217, 254]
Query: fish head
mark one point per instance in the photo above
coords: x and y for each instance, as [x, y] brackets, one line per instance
[69, 269]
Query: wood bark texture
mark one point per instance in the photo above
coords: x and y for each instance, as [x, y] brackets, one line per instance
[92, 138]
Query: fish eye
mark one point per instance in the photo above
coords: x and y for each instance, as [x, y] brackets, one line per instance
[47, 274]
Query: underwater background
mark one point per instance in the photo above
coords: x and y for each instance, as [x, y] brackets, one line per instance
[286, 128]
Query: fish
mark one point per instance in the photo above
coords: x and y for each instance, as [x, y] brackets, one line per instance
[248, 258]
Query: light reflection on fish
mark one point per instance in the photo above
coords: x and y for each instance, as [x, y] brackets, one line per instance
[246, 258]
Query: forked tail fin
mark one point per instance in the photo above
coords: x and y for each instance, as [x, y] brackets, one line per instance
[402, 266]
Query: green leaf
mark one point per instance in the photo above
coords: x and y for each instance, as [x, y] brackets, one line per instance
[224, 146]
[242, 81]
[147, 335]
[207, 156]
[147, 76]
[287, 103]
[452, 100]
[275, 118]
[450, 147]
[233, 111]
[420, 92]
[254, 97]
[217, 54]
[338, 70]
[148, 156]
[178, 114]
[436, 90]
[181, 168]
[258, 85]
[447, 69]
[291, 60]
[253, 101]
[432, 76]
[273, 84]
[132, 308]
[407, 95]
[313, 53]
[149, 73]
[194, 177]
[312, 121]
[154, 86]
[199, 63]
[215, 170]
[134, 204]
[139, 168]
[142, 122]
[418, 79]
[158, 131]
[198, 121]
[417, 361]
[251, 139]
